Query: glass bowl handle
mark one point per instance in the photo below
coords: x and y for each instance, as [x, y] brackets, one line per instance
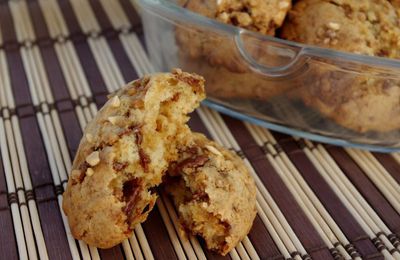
[298, 63]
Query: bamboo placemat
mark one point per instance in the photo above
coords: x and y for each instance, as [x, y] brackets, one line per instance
[58, 61]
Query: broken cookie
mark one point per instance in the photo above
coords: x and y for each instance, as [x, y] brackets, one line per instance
[125, 152]
[213, 192]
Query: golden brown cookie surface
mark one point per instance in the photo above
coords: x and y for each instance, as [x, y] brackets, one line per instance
[364, 27]
[125, 152]
[213, 192]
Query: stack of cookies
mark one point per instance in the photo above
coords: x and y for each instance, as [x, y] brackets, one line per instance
[357, 101]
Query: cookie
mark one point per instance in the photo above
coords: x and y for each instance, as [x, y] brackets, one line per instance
[356, 101]
[125, 153]
[213, 192]
[369, 27]
[263, 16]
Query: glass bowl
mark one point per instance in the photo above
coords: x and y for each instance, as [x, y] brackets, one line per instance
[315, 93]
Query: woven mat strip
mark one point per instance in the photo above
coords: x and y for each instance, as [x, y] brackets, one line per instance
[92, 52]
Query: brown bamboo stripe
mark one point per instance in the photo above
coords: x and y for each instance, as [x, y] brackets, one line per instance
[197, 125]
[160, 244]
[390, 165]
[4, 204]
[332, 203]
[132, 15]
[112, 253]
[69, 16]
[19, 82]
[263, 242]
[71, 129]
[6, 25]
[92, 73]
[100, 14]
[366, 188]
[127, 70]
[39, 24]
[293, 213]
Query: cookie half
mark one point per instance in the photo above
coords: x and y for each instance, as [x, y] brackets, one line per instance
[213, 192]
[124, 154]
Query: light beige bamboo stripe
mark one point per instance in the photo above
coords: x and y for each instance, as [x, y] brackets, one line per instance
[299, 193]
[378, 175]
[341, 185]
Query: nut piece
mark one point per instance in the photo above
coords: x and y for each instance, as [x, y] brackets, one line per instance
[334, 26]
[213, 150]
[115, 101]
[93, 159]
[89, 138]
[113, 119]
[372, 16]
[89, 172]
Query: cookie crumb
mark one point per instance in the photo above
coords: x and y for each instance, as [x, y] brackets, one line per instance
[115, 101]
[176, 71]
[334, 26]
[89, 172]
[93, 159]
[75, 173]
[213, 150]
[283, 5]
[89, 138]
